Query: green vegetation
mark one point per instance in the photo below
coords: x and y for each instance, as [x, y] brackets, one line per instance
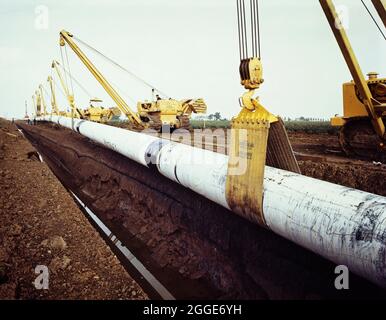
[310, 126]
[306, 126]
[210, 124]
[216, 121]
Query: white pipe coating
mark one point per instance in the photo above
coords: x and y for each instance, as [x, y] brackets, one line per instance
[344, 225]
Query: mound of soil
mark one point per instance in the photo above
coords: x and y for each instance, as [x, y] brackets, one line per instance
[40, 225]
[320, 157]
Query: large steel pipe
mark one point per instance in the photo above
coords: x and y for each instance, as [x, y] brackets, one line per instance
[344, 225]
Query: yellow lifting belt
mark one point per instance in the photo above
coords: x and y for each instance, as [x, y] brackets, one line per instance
[257, 138]
[244, 185]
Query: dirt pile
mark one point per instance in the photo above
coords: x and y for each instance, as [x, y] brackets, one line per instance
[321, 158]
[41, 226]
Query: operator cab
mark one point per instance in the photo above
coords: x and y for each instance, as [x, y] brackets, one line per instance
[96, 103]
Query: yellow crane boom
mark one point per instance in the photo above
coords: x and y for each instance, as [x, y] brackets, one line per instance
[42, 100]
[70, 97]
[38, 103]
[34, 104]
[66, 37]
[380, 6]
[55, 108]
[373, 107]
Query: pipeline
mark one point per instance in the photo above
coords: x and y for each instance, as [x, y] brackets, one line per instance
[344, 225]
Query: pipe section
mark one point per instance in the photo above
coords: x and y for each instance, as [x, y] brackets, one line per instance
[344, 225]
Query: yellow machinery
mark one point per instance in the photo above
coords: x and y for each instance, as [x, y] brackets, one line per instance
[37, 101]
[258, 137]
[95, 112]
[380, 6]
[34, 104]
[74, 111]
[155, 114]
[364, 100]
[54, 106]
[43, 102]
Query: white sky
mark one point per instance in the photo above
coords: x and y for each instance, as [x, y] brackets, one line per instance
[187, 48]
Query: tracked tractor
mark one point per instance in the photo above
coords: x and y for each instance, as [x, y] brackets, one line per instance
[363, 122]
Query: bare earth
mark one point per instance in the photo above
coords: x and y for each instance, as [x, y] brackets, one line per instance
[41, 225]
[320, 157]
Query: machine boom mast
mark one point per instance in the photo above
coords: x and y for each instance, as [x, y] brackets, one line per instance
[66, 37]
[53, 97]
[352, 63]
[70, 97]
[380, 6]
[42, 99]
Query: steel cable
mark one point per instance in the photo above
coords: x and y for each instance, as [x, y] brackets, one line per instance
[121, 67]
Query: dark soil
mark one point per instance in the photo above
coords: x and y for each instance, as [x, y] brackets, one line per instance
[321, 158]
[41, 225]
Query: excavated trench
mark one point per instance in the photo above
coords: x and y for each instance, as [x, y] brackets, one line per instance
[195, 248]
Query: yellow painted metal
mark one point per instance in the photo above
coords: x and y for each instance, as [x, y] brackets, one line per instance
[251, 72]
[370, 106]
[251, 140]
[54, 106]
[38, 104]
[248, 148]
[338, 121]
[156, 113]
[353, 106]
[190, 106]
[43, 101]
[249, 103]
[170, 111]
[34, 104]
[244, 187]
[380, 6]
[247, 156]
[74, 111]
[66, 37]
[95, 112]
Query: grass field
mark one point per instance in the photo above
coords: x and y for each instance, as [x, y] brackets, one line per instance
[291, 126]
[311, 127]
[199, 124]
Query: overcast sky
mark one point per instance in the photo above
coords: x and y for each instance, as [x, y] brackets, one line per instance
[187, 49]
